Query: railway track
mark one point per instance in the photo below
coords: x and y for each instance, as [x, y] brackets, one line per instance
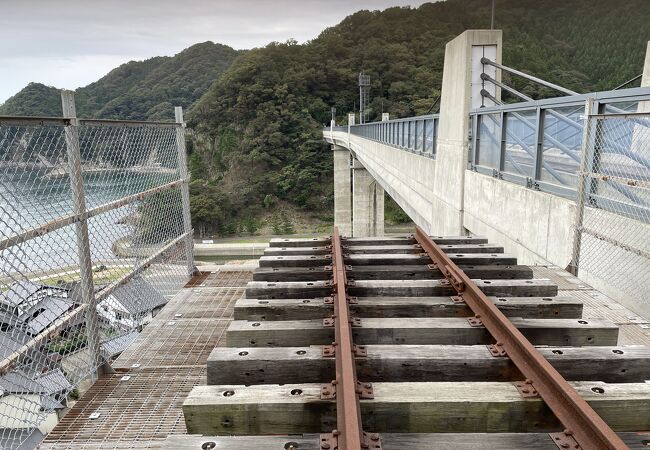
[415, 342]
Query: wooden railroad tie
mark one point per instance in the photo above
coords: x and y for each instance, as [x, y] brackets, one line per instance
[436, 375]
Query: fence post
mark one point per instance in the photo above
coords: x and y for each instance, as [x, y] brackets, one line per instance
[185, 190]
[583, 190]
[75, 174]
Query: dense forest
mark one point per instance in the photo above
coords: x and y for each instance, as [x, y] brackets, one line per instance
[258, 148]
[256, 152]
[136, 90]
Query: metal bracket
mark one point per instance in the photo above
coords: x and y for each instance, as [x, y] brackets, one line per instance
[564, 439]
[329, 351]
[329, 322]
[497, 350]
[455, 279]
[433, 266]
[458, 299]
[327, 268]
[328, 300]
[372, 441]
[532, 184]
[473, 321]
[353, 300]
[526, 389]
[364, 390]
[328, 442]
[328, 391]
[360, 351]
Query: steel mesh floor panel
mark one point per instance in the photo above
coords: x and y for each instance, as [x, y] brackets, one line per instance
[634, 334]
[561, 277]
[598, 305]
[141, 411]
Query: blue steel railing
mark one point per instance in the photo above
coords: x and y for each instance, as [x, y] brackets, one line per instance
[414, 134]
[538, 143]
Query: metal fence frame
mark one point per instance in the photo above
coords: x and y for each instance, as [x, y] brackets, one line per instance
[413, 134]
[79, 219]
[606, 246]
[597, 102]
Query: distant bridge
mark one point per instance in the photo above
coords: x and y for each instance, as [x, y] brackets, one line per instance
[562, 181]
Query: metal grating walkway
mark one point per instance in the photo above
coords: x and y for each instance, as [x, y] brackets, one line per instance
[172, 351]
[141, 404]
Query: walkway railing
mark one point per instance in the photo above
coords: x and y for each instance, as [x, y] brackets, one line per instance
[414, 134]
[538, 143]
[95, 236]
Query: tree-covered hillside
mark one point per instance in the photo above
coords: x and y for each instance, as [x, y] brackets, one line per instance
[258, 141]
[136, 90]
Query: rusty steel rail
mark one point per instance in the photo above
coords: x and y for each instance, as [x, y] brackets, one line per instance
[584, 428]
[347, 390]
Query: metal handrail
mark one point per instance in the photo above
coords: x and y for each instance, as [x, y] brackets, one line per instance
[528, 77]
[12, 121]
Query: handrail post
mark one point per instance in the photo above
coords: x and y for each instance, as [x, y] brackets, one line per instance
[582, 188]
[185, 190]
[75, 174]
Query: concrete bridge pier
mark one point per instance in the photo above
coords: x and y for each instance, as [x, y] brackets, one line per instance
[358, 198]
[342, 190]
[367, 203]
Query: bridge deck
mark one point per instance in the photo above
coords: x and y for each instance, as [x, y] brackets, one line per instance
[142, 411]
[422, 354]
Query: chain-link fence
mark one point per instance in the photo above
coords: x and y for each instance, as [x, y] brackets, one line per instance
[95, 236]
[612, 239]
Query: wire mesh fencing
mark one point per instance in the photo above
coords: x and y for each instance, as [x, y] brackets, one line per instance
[612, 244]
[94, 239]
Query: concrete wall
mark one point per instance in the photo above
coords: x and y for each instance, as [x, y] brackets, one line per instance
[533, 225]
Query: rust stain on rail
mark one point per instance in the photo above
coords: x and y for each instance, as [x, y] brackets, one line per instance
[582, 423]
[345, 387]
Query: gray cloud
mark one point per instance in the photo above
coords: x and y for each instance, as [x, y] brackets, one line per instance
[70, 43]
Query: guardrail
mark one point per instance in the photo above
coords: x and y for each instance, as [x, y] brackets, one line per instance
[538, 143]
[413, 134]
[95, 235]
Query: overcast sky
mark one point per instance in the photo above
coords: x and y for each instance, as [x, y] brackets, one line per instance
[70, 43]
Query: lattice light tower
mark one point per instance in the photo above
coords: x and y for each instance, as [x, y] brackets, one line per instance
[364, 97]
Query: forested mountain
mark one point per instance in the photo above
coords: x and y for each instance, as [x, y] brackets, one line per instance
[258, 139]
[136, 90]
